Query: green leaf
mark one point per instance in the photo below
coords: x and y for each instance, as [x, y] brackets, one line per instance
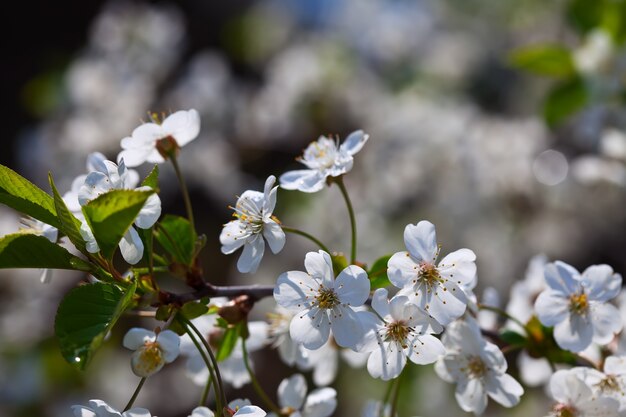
[564, 100]
[193, 310]
[585, 15]
[111, 214]
[152, 180]
[378, 273]
[22, 195]
[549, 60]
[86, 314]
[513, 338]
[228, 343]
[26, 250]
[177, 237]
[69, 225]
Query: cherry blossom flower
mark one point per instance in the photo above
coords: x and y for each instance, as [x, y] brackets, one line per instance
[477, 367]
[609, 383]
[201, 412]
[294, 401]
[109, 176]
[575, 398]
[436, 289]
[254, 225]
[243, 408]
[51, 233]
[577, 305]
[376, 409]
[400, 332]
[322, 302]
[323, 158]
[98, 408]
[152, 351]
[178, 128]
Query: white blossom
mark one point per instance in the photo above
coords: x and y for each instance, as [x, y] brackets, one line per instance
[611, 382]
[99, 408]
[400, 332]
[254, 225]
[201, 412]
[42, 229]
[575, 398]
[577, 305]
[324, 361]
[322, 302]
[152, 351]
[477, 367]
[436, 288]
[182, 126]
[294, 401]
[324, 158]
[243, 408]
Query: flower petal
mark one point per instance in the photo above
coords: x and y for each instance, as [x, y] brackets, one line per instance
[273, 233]
[269, 195]
[320, 266]
[136, 337]
[311, 328]
[354, 142]
[600, 283]
[402, 270]
[202, 412]
[252, 254]
[606, 321]
[233, 236]
[424, 349]
[250, 411]
[131, 246]
[305, 180]
[574, 333]
[170, 345]
[150, 212]
[352, 286]
[294, 289]
[347, 328]
[551, 307]
[421, 241]
[136, 412]
[562, 277]
[471, 396]
[504, 389]
[321, 402]
[292, 391]
[459, 265]
[386, 362]
[380, 303]
[183, 126]
[82, 411]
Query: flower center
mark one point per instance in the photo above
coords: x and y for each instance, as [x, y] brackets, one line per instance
[563, 410]
[326, 298]
[148, 359]
[578, 303]
[429, 274]
[248, 213]
[609, 384]
[398, 332]
[476, 367]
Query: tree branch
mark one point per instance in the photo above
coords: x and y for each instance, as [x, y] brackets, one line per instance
[254, 293]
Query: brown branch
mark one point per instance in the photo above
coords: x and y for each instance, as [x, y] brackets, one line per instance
[253, 292]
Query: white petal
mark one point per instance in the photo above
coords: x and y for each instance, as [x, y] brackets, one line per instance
[451, 367]
[202, 412]
[258, 338]
[615, 365]
[95, 162]
[311, 328]
[250, 411]
[562, 277]
[471, 396]
[251, 256]
[352, 286]
[292, 391]
[424, 349]
[145, 135]
[273, 233]
[134, 157]
[82, 411]
[533, 372]
[150, 212]
[354, 142]
[326, 364]
[402, 270]
[320, 266]
[154, 157]
[347, 328]
[371, 326]
[183, 125]
[196, 370]
[170, 345]
[321, 402]
[269, 195]
[90, 240]
[567, 388]
[551, 307]
[233, 236]
[131, 246]
[504, 389]
[293, 290]
[386, 362]
[574, 333]
[600, 283]
[136, 337]
[397, 307]
[421, 241]
[305, 180]
[444, 306]
[96, 183]
[380, 303]
[459, 266]
[606, 321]
[136, 412]
[464, 336]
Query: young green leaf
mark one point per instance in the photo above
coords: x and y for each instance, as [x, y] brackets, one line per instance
[152, 180]
[86, 314]
[565, 100]
[22, 195]
[549, 60]
[69, 225]
[228, 343]
[111, 214]
[378, 273]
[177, 237]
[25, 250]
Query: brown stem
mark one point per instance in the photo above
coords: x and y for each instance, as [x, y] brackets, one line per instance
[254, 292]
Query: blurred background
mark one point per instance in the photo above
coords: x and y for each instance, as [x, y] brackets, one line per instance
[509, 150]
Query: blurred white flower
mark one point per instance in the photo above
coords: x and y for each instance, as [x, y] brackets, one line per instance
[142, 146]
[577, 305]
[477, 367]
[98, 408]
[435, 288]
[323, 158]
[611, 382]
[254, 224]
[201, 412]
[575, 398]
[152, 351]
[51, 233]
[322, 302]
[595, 53]
[294, 401]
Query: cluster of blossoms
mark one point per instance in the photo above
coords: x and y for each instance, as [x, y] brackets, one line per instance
[425, 312]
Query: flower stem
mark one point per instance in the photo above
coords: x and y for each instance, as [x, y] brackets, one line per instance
[385, 401]
[135, 394]
[205, 391]
[502, 313]
[308, 236]
[183, 189]
[396, 394]
[255, 383]
[218, 395]
[344, 192]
